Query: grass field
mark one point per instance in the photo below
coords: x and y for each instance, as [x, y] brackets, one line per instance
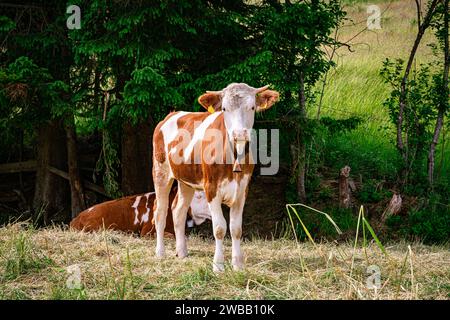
[355, 87]
[38, 264]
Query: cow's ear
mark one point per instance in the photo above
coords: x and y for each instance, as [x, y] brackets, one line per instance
[266, 99]
[211, 101]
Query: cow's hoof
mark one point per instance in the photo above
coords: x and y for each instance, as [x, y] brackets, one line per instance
[238, 267]
[182, 253]
[218, 267]
[159, 253]
[238, 263]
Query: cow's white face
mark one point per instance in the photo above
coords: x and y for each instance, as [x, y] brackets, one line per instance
[238, 106]
[239, 102]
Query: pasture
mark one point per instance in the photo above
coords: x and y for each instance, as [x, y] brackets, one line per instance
[37, 264]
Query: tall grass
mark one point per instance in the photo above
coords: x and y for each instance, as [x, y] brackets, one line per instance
[19, 256]
[355, 87]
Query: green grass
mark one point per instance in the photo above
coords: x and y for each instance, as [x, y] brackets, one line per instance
[19, 257]
[355, 87]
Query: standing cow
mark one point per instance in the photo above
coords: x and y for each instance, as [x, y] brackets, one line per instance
[195, 149]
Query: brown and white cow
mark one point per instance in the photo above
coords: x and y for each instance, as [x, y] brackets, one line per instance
[135, 214]
[195, 149]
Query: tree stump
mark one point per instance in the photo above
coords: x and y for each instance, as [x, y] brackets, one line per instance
[344, 188]
[394, 207]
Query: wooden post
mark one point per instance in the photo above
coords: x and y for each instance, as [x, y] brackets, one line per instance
[394, 207]
[344, 188]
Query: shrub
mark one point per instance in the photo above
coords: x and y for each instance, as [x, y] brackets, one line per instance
[429, 225]
[372, 192]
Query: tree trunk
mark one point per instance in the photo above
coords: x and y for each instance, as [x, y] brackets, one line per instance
[444, 106]
[301, 189]
[403, 88]
[137, 157]
[76, 188]
[50, 196]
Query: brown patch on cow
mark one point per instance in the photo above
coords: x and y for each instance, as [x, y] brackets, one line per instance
[236, 233]
[219, 233]
[187, 172]
[266, 99]
[208, 175]
[216, 172]
[211, 99]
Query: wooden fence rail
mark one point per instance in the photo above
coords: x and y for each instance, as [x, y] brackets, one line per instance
[31, 165]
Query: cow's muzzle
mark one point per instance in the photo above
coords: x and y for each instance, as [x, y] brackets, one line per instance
[240, 154]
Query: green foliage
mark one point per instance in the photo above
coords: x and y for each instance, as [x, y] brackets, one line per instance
[6, 25]
[431, 225]
[29, 94]
[423, 95]
[318, 226]
[372, 191]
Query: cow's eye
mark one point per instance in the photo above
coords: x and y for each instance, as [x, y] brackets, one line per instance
[253, 108]
[223, 109]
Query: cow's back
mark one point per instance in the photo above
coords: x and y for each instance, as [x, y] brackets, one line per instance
[116, 214]
[128, 214]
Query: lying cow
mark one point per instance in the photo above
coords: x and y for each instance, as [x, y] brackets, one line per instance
[135, 214]
[198, 150]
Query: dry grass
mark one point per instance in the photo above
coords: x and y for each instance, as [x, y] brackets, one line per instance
[33, 265]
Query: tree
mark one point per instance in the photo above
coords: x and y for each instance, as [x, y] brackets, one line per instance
[419, 98]
[34, 91]
[294, 34]
[442, 101]
[149, 57]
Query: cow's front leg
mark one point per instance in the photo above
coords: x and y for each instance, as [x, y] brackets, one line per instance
[219, 229]
[179, 213]
[237, 259]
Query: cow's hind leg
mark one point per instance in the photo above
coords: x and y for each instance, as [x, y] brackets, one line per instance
[163, 183]
[219, 229]
[179, 212]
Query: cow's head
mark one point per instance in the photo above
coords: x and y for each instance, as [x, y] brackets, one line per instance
[239, 102]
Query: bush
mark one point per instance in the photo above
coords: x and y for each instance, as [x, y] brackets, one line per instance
[319, 226]
[431, 226]
[372, 192]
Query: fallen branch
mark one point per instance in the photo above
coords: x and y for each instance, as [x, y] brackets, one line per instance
[14, 167]
[87, 184]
